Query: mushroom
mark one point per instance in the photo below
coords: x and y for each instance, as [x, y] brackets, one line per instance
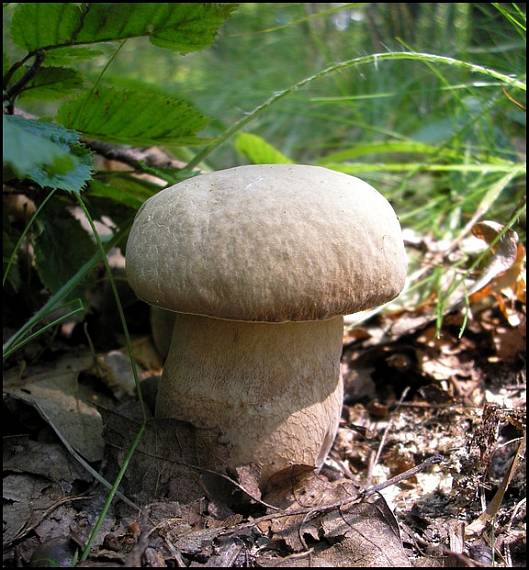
[259, 264]
[162, 324]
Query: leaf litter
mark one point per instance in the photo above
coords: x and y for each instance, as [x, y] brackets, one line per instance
[380, 499]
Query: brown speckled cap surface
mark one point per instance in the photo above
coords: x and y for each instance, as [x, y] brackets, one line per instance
[267, 243]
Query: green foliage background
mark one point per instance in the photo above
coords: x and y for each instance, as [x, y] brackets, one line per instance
[428, 105]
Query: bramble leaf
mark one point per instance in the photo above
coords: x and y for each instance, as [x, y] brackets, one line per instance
[133, 117]
[39, 25]
[51, 82]
[46, 153]
[183, 27]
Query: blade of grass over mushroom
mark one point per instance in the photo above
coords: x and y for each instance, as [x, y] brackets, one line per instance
[363, 60]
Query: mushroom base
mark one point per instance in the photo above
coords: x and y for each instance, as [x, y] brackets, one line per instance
[269, 394]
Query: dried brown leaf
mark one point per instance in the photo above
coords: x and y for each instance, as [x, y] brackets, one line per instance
[57, 394]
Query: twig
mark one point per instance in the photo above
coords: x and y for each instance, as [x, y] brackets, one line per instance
[133, 156]
[340, 504]
[12, 92]
[433, 460]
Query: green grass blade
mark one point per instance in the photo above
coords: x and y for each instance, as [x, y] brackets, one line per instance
[363, 60]
[128, 343]
[24, 233]
[113, 491]
[357, 167]
[34, 335]
[61, 294]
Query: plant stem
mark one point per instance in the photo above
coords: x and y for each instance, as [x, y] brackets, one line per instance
[141, 431]
[21, 238]
[12, 93]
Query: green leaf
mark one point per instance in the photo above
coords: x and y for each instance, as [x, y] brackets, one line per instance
[61, 248]
[71, 180]
[50, 82]
[408, 147]
[26, 148]
[123, 189]
[358, 167]
[183, 27]
[38, 25]
[133, 117]
[258, 151]
[68, 56]
[46, 153]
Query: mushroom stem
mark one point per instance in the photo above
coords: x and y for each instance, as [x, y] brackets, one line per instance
[262, 393]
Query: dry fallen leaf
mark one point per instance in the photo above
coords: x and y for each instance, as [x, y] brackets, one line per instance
[56, 393]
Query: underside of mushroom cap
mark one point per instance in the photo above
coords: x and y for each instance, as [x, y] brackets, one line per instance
[267, 243]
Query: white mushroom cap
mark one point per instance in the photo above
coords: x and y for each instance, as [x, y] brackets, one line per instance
[267, 243]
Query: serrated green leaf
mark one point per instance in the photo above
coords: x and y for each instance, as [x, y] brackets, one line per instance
[61, 248]
[183, 27]
[54, 132]
[39, 25]
[26, 148]
[46, 153]
[258, 151]
[50, 82]
[133, 117]
[71, 180]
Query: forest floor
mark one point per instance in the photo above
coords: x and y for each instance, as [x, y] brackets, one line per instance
[427, 469]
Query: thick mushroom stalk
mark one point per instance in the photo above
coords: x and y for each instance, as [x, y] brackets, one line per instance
[262, 393]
